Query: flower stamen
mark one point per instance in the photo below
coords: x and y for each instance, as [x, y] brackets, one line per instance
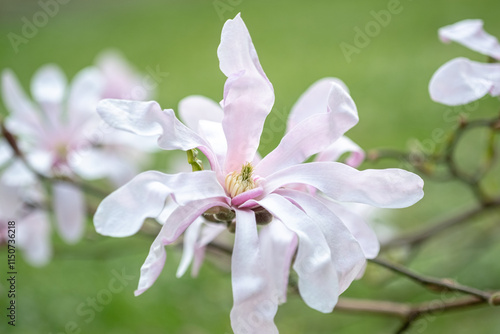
[237, 183]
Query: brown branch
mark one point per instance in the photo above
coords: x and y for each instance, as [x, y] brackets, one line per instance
[417, 237]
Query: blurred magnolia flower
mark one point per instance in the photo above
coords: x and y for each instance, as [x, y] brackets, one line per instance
[62, 137]
[462, 80]
[122, 81]
[243, 191]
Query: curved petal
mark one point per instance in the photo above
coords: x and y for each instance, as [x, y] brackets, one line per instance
[85, 92]
[122, 81]
[195, 108]
[385, 188]
[24, 116]
[177, 223]
[346, 253]
[341, 146]
[313, 101]
[461, 81]
[48, 85]
[248, 94]
[147, 119]
[255, 301]
[209, 232]
[69, 209]
[34, 238]
[278, 245]
[471, 34]
[123, 211]
[318, 280]
[189, 246]
[314, 134]
[357, 225]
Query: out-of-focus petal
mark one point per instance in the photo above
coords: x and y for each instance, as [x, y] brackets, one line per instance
[209, 232]
[195, 108]
[318, 280]
[175, 225]
[471, 34]
[461, 81]
[85, 92]
[122, 81]
[17, 174]
[123, 211]
[341, 146]
[24, 117]
[313, 101]
[314, 134]
[278, 244]
[34, 238]
[69, 209]
[48, 85]
[248, 94]
[255, 301]
[386, 188]
[346, 253]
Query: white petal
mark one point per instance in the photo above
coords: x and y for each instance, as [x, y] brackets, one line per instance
[318, 280]
[255, 301]
[34, 238]
[69, 209]
[461, 81]
[48, 85]
[385, 188]
[339, 147]
[189, 246]
[471, 34]
[314, 134]
[196, 108]
[123, 212]
[176, 224]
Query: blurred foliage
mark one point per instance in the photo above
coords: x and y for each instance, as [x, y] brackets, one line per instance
[298, 43]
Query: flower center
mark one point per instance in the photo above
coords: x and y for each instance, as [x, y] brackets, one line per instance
[237, 183]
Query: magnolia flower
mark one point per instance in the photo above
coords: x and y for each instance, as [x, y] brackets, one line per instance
[63, 137]
[461, 80]
[244, 191]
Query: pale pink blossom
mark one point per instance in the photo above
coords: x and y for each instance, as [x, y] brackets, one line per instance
[62, 137]
[462, 80]
[245, 190]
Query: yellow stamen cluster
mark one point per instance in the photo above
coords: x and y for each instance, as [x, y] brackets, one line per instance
[237, 183]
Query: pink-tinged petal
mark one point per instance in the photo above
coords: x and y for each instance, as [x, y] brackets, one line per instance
[84, 94]
[346, 253]
[189, 246]
[175, 225]
[196, 108]
[313, 101]
[278, 244]
[255, 301]
[24, 116]
[339, 147]
[247, 195]
[248, 94]
[48, 85]
[318, 280]
[385, 188]
[122, 81]
[357, 225]
[148, 119]
[213, 133]
[209, 232]
[314, 134]
[461, 81]
[34, 238]
[123, 211]
[69, 209]
[471, 34]
[17, 174]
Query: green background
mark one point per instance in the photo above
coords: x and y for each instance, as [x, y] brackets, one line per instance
[298, 42]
